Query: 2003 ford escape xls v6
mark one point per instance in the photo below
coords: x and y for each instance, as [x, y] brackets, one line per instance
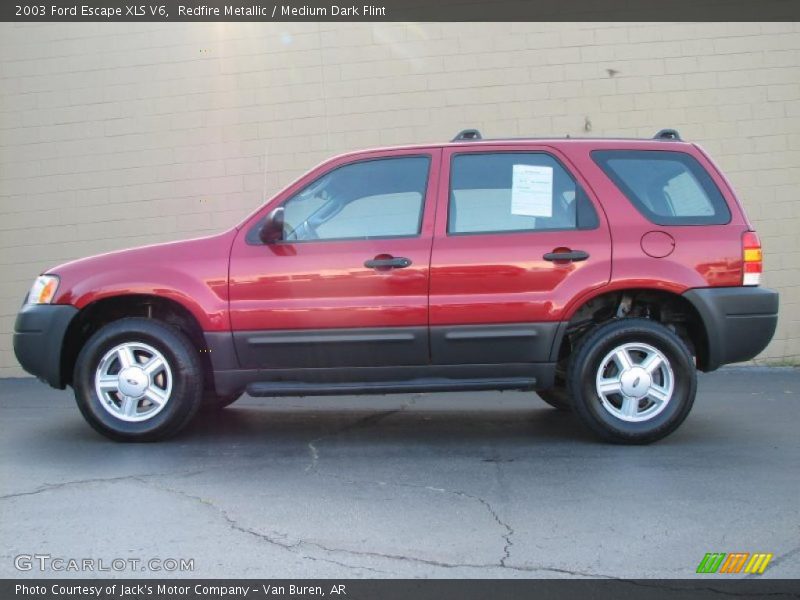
[600, 273]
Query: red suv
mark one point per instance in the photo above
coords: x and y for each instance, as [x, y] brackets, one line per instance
[601, 273]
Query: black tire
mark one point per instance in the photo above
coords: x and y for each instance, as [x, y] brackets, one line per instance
[212, 401]
[187, 380]
[587, 359]
[557, 397]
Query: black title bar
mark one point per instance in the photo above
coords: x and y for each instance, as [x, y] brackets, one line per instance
[400, 589]
[400, 10]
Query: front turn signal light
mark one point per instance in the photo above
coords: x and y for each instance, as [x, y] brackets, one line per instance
[43, 290]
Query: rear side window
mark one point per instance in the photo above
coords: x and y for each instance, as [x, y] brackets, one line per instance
[668, 188]
[515, 192]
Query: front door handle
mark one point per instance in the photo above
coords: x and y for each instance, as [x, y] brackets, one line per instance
[570, 255]
[391, 262]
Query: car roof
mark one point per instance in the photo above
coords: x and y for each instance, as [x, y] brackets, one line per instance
[595, 143]
[470, 138]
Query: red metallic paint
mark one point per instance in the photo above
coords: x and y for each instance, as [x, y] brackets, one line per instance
[695, 246]
[193, 273]
[502, 278]
[227, 284]
[325, 284]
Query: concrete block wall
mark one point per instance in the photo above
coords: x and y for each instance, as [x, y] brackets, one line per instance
[114, 135]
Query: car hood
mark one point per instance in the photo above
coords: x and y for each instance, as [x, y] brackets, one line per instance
[145, 269]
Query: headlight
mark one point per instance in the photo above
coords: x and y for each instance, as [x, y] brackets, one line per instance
[43, 290]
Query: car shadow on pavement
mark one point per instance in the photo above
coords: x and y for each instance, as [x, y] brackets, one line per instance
[249, 425]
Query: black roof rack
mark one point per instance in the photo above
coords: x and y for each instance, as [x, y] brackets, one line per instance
[466, 135]
[668, 134]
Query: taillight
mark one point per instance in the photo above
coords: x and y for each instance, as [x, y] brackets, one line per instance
[751, 253]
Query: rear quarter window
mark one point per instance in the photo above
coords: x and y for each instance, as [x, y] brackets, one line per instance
[667, 187]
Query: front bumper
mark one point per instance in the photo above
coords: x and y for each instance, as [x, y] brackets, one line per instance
[39, 337]
[739, 322]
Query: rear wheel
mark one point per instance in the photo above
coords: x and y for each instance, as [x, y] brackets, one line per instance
[632, 381]
[138, 380]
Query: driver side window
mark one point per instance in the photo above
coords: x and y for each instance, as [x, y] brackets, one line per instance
[380, 198]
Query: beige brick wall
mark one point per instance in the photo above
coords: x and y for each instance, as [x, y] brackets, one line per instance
[113, 135]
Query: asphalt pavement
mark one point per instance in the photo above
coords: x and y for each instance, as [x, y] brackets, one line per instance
[451, 485]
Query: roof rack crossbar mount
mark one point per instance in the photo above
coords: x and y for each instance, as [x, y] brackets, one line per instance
[466, 135]
[669, 135]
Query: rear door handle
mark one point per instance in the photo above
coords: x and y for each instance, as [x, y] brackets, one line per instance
[399, 262]
[572, 255]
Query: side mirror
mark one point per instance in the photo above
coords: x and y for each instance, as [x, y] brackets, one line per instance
[272, 229]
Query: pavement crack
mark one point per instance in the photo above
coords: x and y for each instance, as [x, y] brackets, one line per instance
[49, 487]
[222, 512]
[275, 539]
[312, 450]
[374, 418]
[455, 565]
[509, 530]
[362, 423]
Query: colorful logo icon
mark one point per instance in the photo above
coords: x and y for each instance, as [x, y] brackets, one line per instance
[734, 562]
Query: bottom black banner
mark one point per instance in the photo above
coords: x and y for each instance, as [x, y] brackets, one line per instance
[391, 589]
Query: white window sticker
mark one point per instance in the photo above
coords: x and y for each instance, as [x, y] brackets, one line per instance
[532, 191]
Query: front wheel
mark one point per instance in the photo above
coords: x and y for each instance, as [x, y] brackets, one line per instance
[632, 381]
[138, 380]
